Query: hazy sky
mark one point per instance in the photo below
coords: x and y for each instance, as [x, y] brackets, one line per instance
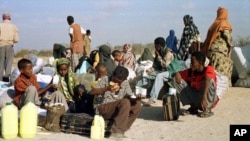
[42, 23]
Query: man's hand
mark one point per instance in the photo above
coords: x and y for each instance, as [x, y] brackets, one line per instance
[204, 103]
[91, 70]
[157, 53]
[139, 96]
[55, 86]
[149, 71]
[178, 78]
[47, 96]
[114, 87]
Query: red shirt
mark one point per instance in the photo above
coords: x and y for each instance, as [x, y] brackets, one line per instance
[195, 80]
[21, 84]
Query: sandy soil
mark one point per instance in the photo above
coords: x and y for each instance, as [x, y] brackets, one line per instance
[232, 109]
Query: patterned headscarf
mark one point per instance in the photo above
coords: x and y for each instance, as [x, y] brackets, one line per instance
[68, 82]
[62, 61]
[189, 34]
[220, 23]
[128, 57]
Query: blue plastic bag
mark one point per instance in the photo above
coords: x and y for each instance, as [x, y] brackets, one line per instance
[84, 67]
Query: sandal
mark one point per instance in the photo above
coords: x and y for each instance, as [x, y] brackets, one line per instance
[117, 136]
[185, 112]
[149, 103]
[190, 111]
[206, 114]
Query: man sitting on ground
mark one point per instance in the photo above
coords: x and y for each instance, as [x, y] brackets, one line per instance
[113, 101]
[197, 86]
[163, 57]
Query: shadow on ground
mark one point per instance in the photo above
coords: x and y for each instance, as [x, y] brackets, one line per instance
[154, 113]
[151, 113]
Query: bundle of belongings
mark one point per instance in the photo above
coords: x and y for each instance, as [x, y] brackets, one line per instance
[241, 65]
[7, 93]
[61, 50]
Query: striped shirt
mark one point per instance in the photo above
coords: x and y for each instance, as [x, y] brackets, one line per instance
[109, 96]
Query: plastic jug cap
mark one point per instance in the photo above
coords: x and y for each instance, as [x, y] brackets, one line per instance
[30, 101]
[8, 103]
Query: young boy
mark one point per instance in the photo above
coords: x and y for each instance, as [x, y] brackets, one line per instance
[113, 101]
[101, 71]
[197, 86]
[27, 88]
[117, 55]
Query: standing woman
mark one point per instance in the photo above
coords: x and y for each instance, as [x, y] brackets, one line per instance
[171, 41]
[218, 44]
[190, 36]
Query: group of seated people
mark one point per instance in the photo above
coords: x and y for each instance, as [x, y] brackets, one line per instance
[112, 94]
[113, 97]
[195, 85]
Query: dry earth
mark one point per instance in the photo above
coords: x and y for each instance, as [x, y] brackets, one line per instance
[232, 109]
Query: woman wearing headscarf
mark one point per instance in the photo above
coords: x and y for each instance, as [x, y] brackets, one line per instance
[190, 35]
[105, 58]
[218, 44]
[69, 85]
[171, 41]
[146, 55]
[59, 51]
[129, 60]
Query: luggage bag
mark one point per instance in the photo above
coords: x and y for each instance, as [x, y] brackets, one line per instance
[78, 123]
[171, 107]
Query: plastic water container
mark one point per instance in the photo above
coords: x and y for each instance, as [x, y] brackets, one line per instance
[55, 80]
[102, 126]
[9, 121]
[172, 91]
[97, 128]
[28, 120]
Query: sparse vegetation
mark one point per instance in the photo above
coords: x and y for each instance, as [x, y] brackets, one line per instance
[137, 48]
[41, 53]
[45, 53]
[242, 41]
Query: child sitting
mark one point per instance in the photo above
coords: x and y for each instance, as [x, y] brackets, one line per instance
[120, 61]
[69, 86]
[115, 102]
[27, 88]
[117, 55]
[101, 71]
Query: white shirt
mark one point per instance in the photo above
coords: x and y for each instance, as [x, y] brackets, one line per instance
[83, 31]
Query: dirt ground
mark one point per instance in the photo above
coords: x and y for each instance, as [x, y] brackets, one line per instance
[232, 109]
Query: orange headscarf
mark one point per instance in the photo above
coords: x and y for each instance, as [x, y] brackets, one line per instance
[220, 23]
